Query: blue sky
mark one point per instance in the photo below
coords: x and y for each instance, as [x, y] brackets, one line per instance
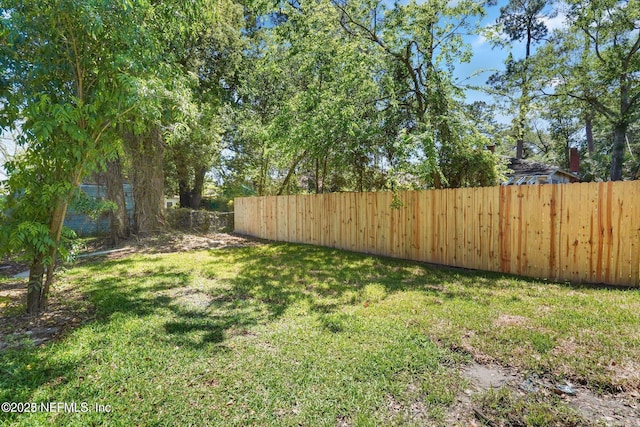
[491, 59]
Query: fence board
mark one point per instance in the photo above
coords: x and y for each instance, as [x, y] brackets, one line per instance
[586, 232]
[634, 234]
[425, 235]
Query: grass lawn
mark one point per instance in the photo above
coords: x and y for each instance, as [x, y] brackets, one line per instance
[283, 334]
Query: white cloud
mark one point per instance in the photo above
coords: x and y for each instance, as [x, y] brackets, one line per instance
[557, 22]
[480, 40]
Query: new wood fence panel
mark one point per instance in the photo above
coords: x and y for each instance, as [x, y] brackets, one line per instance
[324, 229]
[327, 220]
[532, 255]
[454, 226]
[384, 225]
[240, 222]
[404, 226]
[300, 220]
[586, 232]
[480, 246]
[265, 213]
[294, 227]
[536, 248]
[624, 230]
[361, 222]
[634, 233]
[445, 225]
[339, 220]
[504, 229]
[494, 240]
[350, 225]
[397, 227]
[425, 243]
[586, 244]
[354, 222]
[253, 218]
[472, 224]
[473, 221]
[414, 228]
[391, 214]
[581, 206]
[317, 216]
[254, 215]
[372, 213]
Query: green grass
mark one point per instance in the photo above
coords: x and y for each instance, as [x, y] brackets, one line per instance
[292, 335]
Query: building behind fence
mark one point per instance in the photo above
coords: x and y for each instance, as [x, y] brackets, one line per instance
[177, 219]
[587, 232]
[85, 225]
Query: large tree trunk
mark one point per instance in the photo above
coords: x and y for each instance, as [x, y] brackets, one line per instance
[519, 148]
[198, 188]
[192, 197]
[619, 135]
[146, 152]
[185, 194]
[118, 218]
[290, 173]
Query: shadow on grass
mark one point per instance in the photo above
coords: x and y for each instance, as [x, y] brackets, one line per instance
[286, 273]
[270, 279]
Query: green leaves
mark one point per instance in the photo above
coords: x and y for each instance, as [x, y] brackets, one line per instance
[65, 91]
[331, 87]
[593, 63]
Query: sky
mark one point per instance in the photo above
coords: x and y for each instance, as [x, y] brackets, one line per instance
[6, 145]
[487, 60]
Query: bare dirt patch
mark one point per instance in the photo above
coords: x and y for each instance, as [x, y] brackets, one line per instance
[607, 409]
[626, 375]
[511, 320]
[481, 378]
[189, 298]
[171, 242]
[68, 309]
[484, 377]
[416, 412]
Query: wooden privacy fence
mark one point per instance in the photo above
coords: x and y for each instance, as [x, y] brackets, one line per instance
[587, 232]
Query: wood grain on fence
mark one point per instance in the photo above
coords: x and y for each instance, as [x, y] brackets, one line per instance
[587, 232]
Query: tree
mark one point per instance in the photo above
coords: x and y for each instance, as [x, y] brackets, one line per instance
[305, 105]
[176, 125]
[210, 50]
[118, 219]
[601, 44]
[62, 64]
[354, 96]
[420, 43]
[521, 21]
